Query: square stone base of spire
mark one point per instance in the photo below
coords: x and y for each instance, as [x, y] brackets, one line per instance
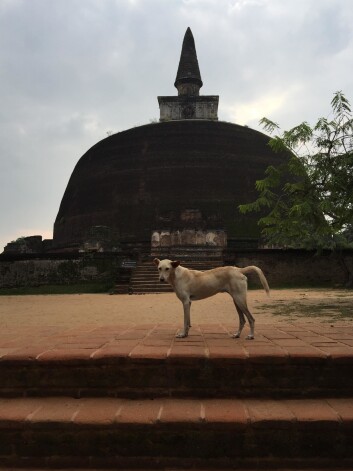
[174, 108]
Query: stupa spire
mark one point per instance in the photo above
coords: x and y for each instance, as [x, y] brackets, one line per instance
[188, 79]
[188, 104]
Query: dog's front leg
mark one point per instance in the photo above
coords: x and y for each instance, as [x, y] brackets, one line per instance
[184, 333]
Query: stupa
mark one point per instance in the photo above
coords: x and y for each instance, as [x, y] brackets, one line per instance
[177, 182]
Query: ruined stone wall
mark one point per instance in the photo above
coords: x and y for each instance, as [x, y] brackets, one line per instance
[294, 267]
[281, 267]
[47, 271]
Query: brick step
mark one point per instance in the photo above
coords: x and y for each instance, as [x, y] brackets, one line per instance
[121, 288]
[283, 360]
[148, 280]
[152, 285]
[151, 290]
[168, 432]
[144, 292]
[149, 284]
[150, 269]
[145, 279]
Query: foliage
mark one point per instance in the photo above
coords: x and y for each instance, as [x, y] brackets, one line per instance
[307, 201]
[19, 240]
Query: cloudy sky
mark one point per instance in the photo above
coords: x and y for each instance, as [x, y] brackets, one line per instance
[72, 71]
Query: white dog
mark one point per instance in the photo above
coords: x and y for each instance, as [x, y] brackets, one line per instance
[192, 285]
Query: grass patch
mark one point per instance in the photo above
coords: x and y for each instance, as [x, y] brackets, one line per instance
[331, 311]
[57, 289]
[308, 285]
[294, 285]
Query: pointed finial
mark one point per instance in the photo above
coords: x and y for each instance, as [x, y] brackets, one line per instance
[188, 80]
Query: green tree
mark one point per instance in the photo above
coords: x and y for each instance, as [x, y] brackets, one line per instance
[307, 201]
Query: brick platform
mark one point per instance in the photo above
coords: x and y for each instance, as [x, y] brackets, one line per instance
[158, 341]
[137, 397]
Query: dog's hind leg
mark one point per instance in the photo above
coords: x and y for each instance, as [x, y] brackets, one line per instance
[184, 333]
[240, 302]
[251, 320]
[241, 321]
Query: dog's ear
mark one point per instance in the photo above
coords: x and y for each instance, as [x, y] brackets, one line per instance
[156, 261]
[175, 264]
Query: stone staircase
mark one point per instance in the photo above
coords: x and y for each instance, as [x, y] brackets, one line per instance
[145, 279]
[135, 397]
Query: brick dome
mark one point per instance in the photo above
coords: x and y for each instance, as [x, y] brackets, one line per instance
[144, 178]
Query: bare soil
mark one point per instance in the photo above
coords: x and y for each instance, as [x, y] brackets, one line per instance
[304, 305]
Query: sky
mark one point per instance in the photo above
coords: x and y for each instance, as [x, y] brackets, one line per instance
[73, 71]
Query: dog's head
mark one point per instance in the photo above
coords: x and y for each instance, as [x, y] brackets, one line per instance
[165, 268]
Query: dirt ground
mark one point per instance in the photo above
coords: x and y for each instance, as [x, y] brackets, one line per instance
[304, 305]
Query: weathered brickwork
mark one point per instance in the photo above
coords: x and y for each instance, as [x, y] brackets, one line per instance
[296, 267]
[281, 267]
[181, 107]
[36, 272]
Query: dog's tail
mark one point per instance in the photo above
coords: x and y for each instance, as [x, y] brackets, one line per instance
[260, 274]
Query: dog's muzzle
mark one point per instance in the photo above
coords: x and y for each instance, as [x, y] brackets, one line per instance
[162, 280]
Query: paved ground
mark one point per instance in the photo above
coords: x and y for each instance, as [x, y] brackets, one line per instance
[90, 341]
[102, 359]
[316, 321]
